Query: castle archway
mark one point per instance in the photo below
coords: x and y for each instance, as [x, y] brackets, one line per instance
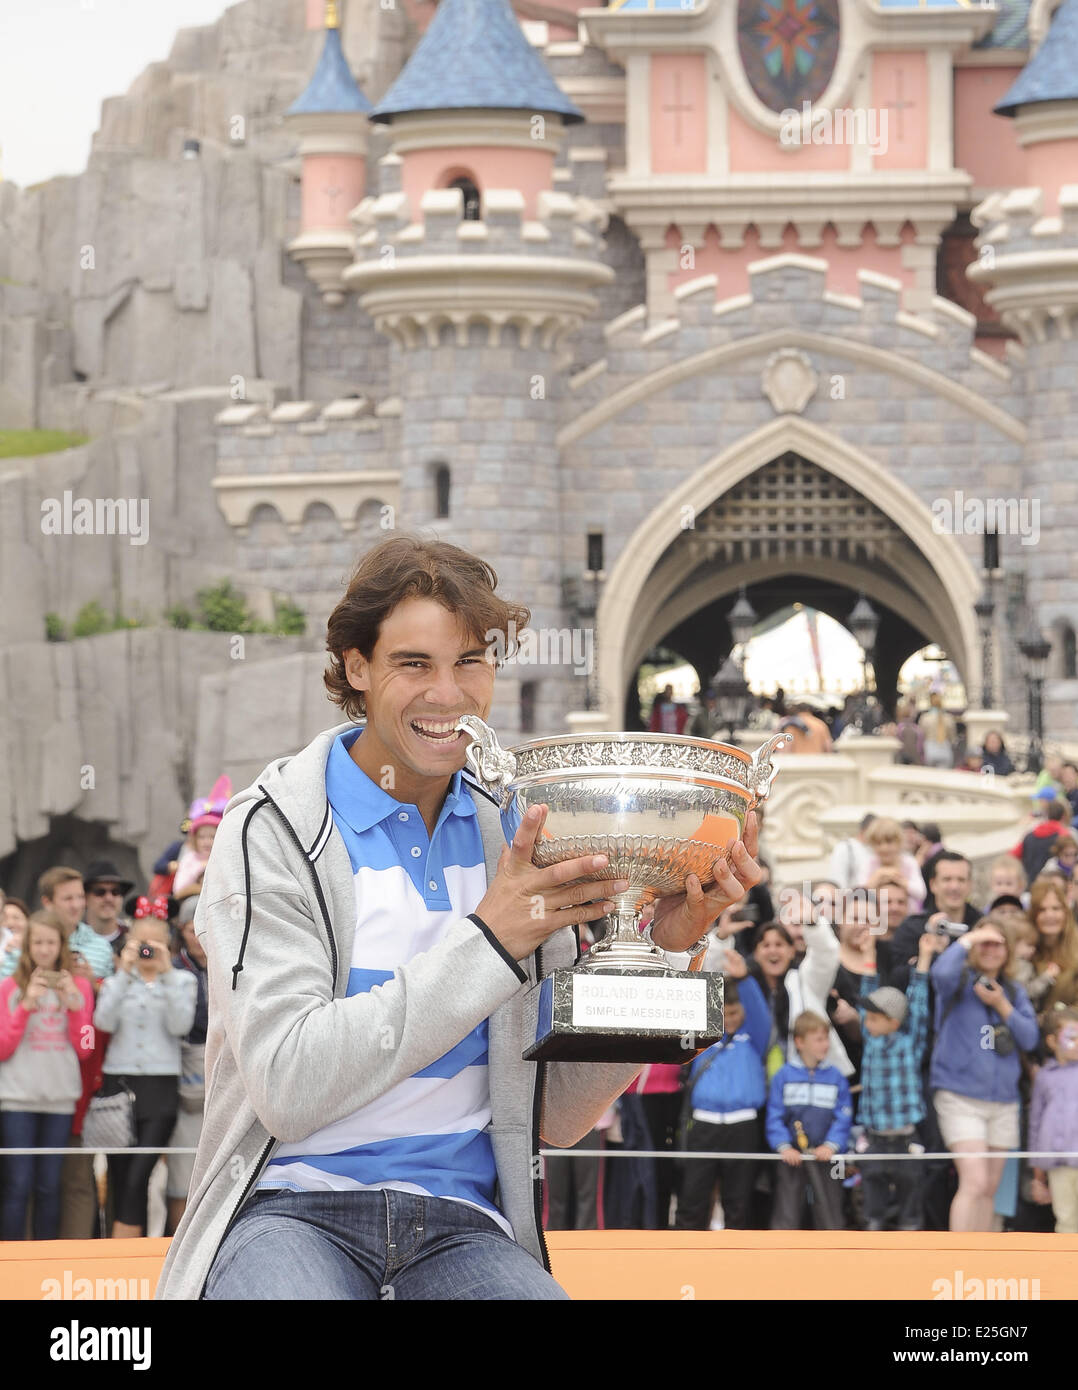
[791, 509]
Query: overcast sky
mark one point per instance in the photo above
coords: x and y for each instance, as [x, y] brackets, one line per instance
[59, 59]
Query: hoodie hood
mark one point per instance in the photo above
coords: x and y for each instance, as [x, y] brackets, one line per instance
[296, 784]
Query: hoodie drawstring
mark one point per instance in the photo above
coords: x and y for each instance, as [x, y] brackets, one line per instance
[238, 967]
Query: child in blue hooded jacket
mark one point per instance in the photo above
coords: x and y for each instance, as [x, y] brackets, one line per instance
[808, 1121]
[728, 1089]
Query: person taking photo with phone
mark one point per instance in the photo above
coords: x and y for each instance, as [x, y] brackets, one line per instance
[45, 1029]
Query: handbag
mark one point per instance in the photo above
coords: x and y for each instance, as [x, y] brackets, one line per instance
[110, 1121]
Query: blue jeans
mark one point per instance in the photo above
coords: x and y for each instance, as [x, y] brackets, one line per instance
[31, 1129]
[370, 1245]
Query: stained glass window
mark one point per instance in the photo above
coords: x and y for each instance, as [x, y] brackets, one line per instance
[788, 49]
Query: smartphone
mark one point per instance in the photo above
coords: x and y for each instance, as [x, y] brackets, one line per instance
[51, 978]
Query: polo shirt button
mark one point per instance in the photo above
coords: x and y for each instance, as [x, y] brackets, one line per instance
[416, 851]
[402, 815]
[434, 884]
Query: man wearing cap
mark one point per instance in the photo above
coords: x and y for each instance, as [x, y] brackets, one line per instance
[105, 892]
[894, 1027]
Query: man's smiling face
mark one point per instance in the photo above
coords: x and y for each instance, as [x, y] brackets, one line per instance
[423, 674]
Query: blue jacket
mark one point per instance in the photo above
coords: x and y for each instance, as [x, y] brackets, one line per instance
[963, 1059]
[820, 1099]
[735, 1078]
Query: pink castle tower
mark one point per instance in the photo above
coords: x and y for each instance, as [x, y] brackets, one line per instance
[330, 119]
[756, 127]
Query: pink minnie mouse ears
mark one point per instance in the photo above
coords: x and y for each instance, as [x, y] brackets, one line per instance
[158, 908]
[208, 810]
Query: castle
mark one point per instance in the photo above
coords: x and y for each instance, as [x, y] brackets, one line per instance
[645, 304]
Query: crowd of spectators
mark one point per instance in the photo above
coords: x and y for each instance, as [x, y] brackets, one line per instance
[103, 995]
[879, 1012]
[882, 1014]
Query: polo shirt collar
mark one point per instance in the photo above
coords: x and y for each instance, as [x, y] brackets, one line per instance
[361, 803]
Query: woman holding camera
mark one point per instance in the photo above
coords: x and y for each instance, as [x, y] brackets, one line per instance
[983, 1019]
[147, 1006]
[45, 1030]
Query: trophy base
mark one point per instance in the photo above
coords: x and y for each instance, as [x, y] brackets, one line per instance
[596, 1016]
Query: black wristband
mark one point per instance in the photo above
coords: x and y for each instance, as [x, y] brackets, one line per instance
[512, 964]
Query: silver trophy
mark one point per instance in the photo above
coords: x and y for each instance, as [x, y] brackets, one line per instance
[660, 806]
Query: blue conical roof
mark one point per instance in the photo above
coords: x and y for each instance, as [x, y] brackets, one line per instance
[332, 88]
[474, 56]
[1052, 73]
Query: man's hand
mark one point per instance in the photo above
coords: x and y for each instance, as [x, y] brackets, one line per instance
[1041, 1192]
[791, 1157]
[681, 919]
[524, 905]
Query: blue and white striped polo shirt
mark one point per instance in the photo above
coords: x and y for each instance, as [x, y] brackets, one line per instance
[428, 1134]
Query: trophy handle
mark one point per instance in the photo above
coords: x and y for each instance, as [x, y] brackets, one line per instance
[493, 765]
[763, 771]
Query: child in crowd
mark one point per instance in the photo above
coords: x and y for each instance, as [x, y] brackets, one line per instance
[13, 918]
[205, 816]
[1053, 1121]
[808, 1118]
[895, 1028]
[45, 1016]
[1021, 936]
[725, 1094]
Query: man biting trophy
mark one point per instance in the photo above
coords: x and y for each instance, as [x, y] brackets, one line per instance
[376, 957]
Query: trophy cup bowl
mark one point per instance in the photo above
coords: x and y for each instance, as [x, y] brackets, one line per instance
[660, 807]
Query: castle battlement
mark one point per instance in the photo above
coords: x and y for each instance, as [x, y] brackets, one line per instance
[393, 225]
[422, 266]
[788, 292]
[1029, 258]
[301, 458]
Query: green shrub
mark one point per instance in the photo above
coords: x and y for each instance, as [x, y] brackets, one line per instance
[289, 619]
[90, 620]
[224, 609]
[15, 444]
[55, 631]
[179, 616]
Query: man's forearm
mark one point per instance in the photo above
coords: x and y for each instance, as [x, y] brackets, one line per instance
[577, 1094]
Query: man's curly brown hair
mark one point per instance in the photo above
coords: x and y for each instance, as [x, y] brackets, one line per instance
[404, 567]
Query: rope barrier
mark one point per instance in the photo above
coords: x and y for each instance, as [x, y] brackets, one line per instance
[852, 1158]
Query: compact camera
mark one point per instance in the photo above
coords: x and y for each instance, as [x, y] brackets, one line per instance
[951, 929]
[145, 952]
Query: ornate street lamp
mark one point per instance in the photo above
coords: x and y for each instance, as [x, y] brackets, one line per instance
[1035, 650]
[731, 694]
[985, 609]
[864, 623]
[742, 619]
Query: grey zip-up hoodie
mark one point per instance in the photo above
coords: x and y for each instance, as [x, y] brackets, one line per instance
[287, 1053]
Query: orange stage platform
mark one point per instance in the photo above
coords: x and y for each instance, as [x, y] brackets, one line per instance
[658, 1265]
